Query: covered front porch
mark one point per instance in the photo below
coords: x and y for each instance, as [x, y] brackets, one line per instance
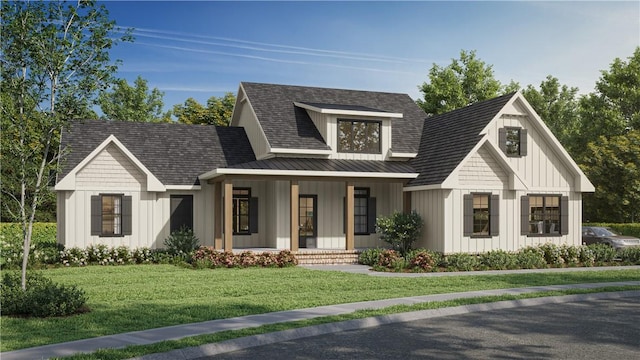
[304, 214]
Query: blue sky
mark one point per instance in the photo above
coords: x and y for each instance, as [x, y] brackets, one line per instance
[201, 49]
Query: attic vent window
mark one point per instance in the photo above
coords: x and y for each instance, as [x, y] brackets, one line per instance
[513, 141]
[359, 136]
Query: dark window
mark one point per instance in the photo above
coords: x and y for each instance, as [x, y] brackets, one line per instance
[359, 136]
[481, 215]
[364, 212]
[181, 212]
[544, 215]
[513, 141]
[110, 215]
[241, 211]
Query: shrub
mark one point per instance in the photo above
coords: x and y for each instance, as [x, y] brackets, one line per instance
[285, 258]
[390, 260]
[400, 230]
[267, 259]
[43, 298]
[603, 253]
[422, 260]
[498, 260]
[461, 262]
[530, 258]
[41, 233]
[630, 255]
[181, 241]
[570, 254]
[552, 254]
[586, 256]
[369, 256]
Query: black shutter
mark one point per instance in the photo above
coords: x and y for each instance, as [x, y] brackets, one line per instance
[467, 207]
[253, 215]
[344, 215]
[564, 215]
[524, 215]
[502, 139]
[371, 216]
[494, 215]
[523, 142]
[126, 215]
[96, 215]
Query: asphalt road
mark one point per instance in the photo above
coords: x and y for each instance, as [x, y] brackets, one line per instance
[597, 329]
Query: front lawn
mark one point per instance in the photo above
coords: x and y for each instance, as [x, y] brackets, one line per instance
[129, 298]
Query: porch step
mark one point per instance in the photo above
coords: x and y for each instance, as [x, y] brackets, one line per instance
[327, 257]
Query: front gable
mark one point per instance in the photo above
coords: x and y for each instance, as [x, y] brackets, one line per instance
[110, 164]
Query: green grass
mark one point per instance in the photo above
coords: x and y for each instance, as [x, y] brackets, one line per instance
[129, 298]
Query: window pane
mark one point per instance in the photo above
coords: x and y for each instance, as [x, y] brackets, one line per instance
[480, 214]
[513, 142]
[359, 136]
[111, 215]
[544, 214]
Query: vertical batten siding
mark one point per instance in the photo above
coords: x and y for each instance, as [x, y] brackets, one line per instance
[329, 213]
[111, 169]
[429, 204]
[320, 121]
[248, 121]
[283, 211]
[61, 215]
[541, 167]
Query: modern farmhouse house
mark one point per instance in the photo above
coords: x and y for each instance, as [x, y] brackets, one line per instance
[304, 167]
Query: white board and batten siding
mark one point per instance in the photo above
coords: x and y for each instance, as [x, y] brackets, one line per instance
[330, 216]
[111, 172]
[543, 173]
[246, 118]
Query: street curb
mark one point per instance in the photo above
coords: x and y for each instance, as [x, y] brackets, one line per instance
[316, 330]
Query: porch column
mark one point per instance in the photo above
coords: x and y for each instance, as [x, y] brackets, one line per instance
[217, 219]
[295, 214]
[406, 202]
[228, 215]
[349, 228]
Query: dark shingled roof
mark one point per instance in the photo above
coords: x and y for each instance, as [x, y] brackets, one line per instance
[343, 107]
[175, 153]
[288, 126]
[448, 138]
[337, 165]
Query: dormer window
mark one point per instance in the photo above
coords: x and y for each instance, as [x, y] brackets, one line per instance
[359, 136]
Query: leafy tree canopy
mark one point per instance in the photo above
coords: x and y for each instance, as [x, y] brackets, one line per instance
[217, 112]
[463, 82]
[133, 103]
[557, 105]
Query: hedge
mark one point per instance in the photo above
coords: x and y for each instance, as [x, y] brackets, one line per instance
[42, 233]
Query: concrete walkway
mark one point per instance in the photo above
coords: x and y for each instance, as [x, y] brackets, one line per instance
[151, 336]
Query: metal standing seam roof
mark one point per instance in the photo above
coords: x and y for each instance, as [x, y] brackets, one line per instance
[448, 138]
[175, 153]
[328, 165]
[288, 126]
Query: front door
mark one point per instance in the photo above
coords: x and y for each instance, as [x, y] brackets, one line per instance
[308, 222]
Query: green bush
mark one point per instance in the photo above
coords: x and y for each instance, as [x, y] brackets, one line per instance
[552, 254]
[630, 255]
[182, 241]
[461, 262]
[498, 260]
[43, 297]
[422, 260]
[587, 256]
[603, 253]
[370, 256]
[400, 230]
[530, 258]
[390, 260]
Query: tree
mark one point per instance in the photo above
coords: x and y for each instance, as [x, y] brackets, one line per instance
[613, 165]
[465, 81]
[54, 61]
[133, 103]
[614, 108]
[217, 112]
[557, 105]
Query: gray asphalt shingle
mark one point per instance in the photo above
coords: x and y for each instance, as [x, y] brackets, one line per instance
[175, 153]
[448, 138]
[288, 126]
